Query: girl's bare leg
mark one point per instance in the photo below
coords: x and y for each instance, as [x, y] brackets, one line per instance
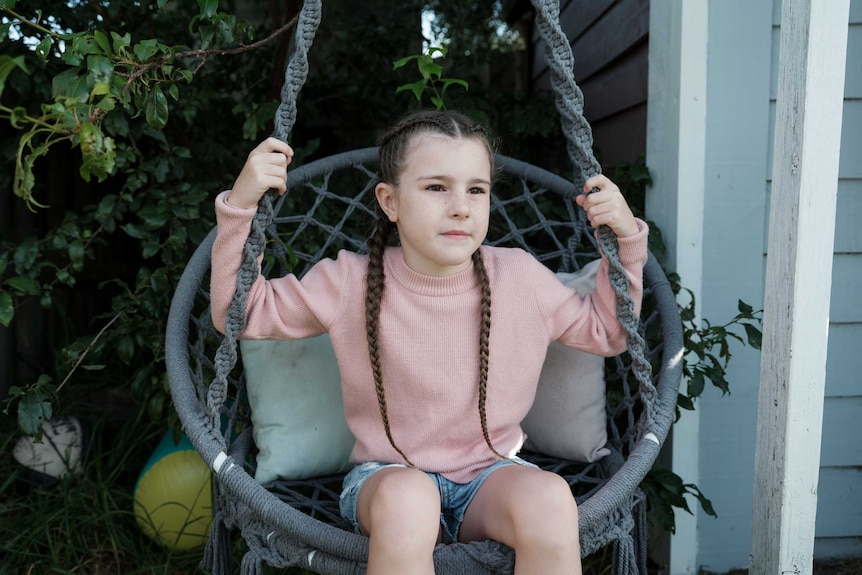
[532, 511]
[399, 509]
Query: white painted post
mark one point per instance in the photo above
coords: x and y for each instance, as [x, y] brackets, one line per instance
[676, 151]
[798, 281]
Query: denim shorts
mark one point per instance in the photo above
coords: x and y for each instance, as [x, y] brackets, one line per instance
[454, 497]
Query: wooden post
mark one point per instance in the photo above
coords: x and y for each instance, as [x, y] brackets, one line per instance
[798, 282]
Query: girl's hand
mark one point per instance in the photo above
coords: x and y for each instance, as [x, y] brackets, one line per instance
[607, 206]
[265, 168]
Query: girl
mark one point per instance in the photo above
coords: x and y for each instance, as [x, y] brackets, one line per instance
[411, 328]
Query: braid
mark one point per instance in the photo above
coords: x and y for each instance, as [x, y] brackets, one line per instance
[484, 347]
[373, 297]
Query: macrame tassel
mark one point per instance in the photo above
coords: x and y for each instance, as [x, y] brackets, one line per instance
[625, 559]
[252, 563]
[217, 556]
[640, 530]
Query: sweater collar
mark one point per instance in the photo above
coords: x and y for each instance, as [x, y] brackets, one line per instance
[396, 269]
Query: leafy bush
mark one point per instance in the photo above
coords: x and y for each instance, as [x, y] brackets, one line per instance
[122, 119]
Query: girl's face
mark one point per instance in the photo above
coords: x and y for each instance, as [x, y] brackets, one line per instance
[441, 204]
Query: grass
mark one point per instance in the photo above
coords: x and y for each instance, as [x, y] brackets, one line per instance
[83, 524]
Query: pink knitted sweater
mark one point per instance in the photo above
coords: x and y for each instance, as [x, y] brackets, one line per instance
[429, 337]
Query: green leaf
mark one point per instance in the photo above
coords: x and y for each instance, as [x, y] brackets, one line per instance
[43, 48]
[18, 117]
[403, 62]
[97, 152]
[156, 406]
[705, 503]
[26, 254]
[100, 89]
[126, 349]
[102, 41]
[100, 68]
[69, 84]
[208, 8]
[685, 402]
[696, 384]
[7, 309]
[76, 254]
[417, 88]
[755, 336]
[4, 30]
[207, 34]
[744, 308]
[428, 68]
[10, 4]
[145, 49]
[134, 231]
[121, 42]
[7, 64]
[94, 367]
[449, 81]
[25, 285]
[33, 409]
[156, 108]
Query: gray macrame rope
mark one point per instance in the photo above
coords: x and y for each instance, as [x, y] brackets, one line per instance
[297, 68]
[579, 138]
[294, 78]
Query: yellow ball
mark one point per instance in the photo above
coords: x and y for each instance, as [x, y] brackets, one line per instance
[173, 500]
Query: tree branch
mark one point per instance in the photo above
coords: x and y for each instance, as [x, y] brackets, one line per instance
[204, 54]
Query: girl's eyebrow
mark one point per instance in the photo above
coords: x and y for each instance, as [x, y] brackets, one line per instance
[446, 178]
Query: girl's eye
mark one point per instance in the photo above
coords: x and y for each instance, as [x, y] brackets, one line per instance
[478, 191]
[435, 188]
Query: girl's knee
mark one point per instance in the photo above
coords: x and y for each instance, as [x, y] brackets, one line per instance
[551, 514]
[400, 499]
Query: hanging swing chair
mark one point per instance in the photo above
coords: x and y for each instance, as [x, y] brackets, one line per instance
[296, 522]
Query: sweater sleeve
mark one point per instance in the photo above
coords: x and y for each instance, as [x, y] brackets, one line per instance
[281, 308]
[590, 323]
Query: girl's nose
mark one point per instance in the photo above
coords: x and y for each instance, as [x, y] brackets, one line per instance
[459, 206]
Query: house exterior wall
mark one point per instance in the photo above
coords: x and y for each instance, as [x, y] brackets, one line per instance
[724, 258]
[609, 44]
[736, 140]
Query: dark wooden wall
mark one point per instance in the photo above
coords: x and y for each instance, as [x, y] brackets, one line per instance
[609, 41]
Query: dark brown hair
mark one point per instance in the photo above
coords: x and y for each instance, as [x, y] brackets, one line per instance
[393, 147]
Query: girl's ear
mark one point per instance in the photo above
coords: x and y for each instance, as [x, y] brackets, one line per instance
[388, 201]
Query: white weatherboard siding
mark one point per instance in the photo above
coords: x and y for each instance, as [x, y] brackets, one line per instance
[710, 154]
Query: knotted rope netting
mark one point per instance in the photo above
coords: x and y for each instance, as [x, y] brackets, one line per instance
[296, 523]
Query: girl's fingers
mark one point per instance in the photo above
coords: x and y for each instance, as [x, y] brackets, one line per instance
[607, 206]
[274, 145]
